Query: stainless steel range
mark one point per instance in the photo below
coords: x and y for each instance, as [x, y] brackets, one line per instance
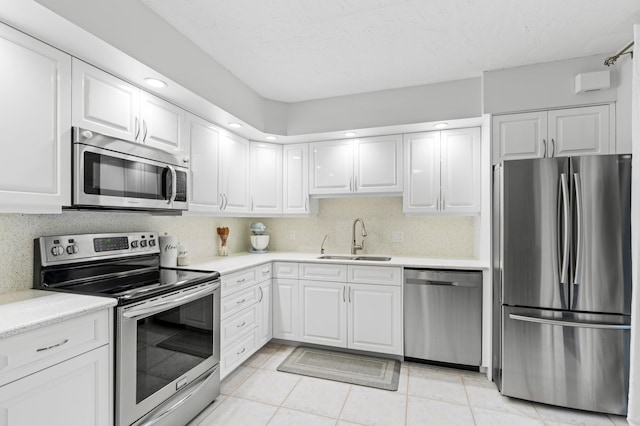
[167, 322]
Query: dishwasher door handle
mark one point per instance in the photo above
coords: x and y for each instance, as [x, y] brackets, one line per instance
[440, 283]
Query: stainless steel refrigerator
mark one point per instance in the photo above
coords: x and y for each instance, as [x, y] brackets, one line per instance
[562, 277]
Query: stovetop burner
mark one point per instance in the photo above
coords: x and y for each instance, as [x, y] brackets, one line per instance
[109, 265]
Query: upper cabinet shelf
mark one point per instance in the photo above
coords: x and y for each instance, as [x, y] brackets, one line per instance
[554, 133]
[360, 166]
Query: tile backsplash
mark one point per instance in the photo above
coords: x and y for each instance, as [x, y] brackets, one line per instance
[17, 232]
[426, 236]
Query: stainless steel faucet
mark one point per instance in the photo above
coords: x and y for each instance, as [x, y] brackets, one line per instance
[355, 247]
[326, 236]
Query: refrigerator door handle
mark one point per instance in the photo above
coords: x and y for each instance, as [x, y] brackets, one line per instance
[575, 324]
[578, 189]
[564, 268]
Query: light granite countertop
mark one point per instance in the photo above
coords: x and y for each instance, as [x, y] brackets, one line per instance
[29, 309]
[235, 262]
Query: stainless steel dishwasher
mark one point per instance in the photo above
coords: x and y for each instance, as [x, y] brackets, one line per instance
[443, 316]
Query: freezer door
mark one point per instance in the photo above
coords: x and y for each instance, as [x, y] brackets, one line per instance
[567, 359]
[536, 237]
[601, 243]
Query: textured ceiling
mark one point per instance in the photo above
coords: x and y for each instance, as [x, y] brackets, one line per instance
[295, 50]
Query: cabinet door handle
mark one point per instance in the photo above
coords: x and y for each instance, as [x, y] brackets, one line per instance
[544, 144]
[355, 184]
[144, 126]
[221, 202]
[553, 147]
[226, 201]
[251, 203]
[261, 294]
[241, 352]
[350, 294]
[137, 129]
[52, 346]
[306, 203]
[344, 296]
[351, 184]
[241, 281]
[239, 302]
[241, 325]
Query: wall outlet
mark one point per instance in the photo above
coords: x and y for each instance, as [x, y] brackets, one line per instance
[397, 237]
[292, 235]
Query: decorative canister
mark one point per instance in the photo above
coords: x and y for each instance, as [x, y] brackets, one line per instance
[183, 255]
[168, 251]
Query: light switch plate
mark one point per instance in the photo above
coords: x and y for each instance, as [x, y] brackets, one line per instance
[292, 235]
[397, 237]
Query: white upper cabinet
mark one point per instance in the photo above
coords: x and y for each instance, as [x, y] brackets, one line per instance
[460, 170]
[365, 165]
[554, 133]
[163, 126]
[580, 131]
[518, 136]
[442, 172]
[35, 128]
[378, 164]
[295, 177]
[108, 105]
[234, 173]
[204, 141]
[422, 166]
[331, 167]
[266, 178]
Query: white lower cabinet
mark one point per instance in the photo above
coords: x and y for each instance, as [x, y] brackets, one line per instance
[375, 318]
[74, 392]
[58, 374]
[246, 323]
[323, 313]
[362, 312]
[285, 308]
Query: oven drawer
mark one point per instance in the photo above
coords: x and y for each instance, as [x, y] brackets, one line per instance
[237, 353]
[37, 349]
[239, 324]
[238, 280]
[233, 304]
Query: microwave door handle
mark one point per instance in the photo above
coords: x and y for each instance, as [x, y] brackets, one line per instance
[174, 183]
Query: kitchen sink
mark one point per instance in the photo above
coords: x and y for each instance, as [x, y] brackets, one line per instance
[365, 258]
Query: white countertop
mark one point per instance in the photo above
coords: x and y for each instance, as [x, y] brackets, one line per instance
[29, 309]
[235, 262]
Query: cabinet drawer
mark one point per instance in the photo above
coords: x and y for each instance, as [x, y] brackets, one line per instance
[237, 325]
[285, 270]
[238, 281]
[230, 305]
[34, 350]
[314, 271]
[264, 272]
[375, 275]
[236, 354]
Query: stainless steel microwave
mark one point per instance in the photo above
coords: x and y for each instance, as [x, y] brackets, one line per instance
[118, 174]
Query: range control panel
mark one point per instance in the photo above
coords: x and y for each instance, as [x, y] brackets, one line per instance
[76, 248]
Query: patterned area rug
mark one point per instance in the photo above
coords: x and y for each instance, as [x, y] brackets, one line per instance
[362, 370]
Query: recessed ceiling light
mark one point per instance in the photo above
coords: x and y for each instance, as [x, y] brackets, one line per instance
[440, 125]
[349, 134]
[154, 82]
[235, 125]
[271, 138]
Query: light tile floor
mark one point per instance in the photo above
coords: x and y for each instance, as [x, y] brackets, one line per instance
[256, 394]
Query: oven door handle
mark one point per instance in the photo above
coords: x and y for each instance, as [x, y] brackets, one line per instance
[167, 304]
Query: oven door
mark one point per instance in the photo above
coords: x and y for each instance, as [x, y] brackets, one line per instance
[166, 346]
[110, 179]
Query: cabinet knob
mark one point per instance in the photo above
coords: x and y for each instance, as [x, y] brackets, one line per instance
[185, 160]
[87, 134]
